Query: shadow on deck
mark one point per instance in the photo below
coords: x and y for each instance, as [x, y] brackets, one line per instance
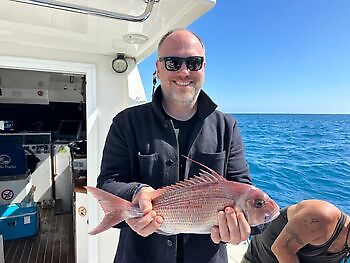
[53, 243]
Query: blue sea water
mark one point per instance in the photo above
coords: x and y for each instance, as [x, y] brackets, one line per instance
[294, 157]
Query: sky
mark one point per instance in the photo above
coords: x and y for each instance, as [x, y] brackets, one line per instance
[274, 56]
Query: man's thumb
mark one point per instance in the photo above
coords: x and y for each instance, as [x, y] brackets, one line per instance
[145, 205]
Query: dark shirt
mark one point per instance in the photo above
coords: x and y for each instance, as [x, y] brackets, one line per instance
[183, 129]
[259, 250]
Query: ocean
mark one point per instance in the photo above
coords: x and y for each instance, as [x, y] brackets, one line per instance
[294, 157]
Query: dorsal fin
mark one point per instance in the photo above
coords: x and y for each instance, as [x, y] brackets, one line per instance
[206, 167]
[204, 177]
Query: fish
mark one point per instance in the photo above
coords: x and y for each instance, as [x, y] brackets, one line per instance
[192, 205]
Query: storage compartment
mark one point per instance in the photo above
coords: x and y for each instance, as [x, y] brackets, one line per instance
[18, 221]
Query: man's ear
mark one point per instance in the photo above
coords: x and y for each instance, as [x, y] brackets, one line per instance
[157, 68]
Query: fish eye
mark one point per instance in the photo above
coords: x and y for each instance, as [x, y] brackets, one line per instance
[258, 203]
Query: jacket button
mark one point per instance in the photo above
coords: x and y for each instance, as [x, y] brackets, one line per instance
[166, 126]
[169, 242]
[169, 162]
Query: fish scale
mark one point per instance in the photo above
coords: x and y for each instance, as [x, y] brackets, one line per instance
[189, 218]
[189, 209]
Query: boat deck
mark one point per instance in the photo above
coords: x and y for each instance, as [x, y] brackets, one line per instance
[52, 244]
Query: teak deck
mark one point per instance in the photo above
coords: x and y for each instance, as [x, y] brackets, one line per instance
[53, 243]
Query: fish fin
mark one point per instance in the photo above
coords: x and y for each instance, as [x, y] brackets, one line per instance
[116, 209]
[198, 180]
[204, 177]
[212, 172]
[109, 202]
[109, 220]
[209, 176]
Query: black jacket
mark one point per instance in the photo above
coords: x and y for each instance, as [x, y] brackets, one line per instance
[141, 147]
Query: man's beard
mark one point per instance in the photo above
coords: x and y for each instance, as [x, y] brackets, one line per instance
[185, 99]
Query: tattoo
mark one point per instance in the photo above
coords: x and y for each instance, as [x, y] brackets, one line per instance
[312, 224]
[293, 236]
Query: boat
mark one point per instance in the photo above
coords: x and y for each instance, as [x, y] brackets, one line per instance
[66, 69]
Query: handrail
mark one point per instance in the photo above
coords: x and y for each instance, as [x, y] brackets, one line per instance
[91, 11]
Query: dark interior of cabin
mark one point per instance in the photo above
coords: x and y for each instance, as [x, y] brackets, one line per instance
[44, 118]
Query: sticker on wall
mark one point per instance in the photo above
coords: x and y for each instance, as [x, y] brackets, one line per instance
[7, 194]
[63, 149]
[82, 211]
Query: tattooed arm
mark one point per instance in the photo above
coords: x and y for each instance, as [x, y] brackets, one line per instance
[308, 223]
[287, 244]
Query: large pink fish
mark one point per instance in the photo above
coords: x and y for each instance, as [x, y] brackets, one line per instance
[191, 206]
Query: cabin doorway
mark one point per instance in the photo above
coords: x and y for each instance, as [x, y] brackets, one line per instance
[44, 108]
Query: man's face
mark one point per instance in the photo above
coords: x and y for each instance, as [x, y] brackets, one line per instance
[181, 86]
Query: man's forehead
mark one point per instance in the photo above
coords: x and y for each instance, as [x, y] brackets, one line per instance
[181, 41]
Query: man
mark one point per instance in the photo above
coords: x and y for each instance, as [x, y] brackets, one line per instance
[307, 232]
[143, 152]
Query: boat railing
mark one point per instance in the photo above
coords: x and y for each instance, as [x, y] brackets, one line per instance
[92, 11]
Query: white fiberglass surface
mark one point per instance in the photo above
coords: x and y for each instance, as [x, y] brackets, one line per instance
[58, 29]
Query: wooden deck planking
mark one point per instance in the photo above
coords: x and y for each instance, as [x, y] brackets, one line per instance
[53, 243]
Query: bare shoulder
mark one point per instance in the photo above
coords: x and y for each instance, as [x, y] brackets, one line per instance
[309, 222]
[317, 218]
[322, 209]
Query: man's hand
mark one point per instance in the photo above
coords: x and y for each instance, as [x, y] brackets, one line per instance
[150, 222]
[233, 227]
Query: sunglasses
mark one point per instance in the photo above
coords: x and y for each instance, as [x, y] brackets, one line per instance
[193, 63]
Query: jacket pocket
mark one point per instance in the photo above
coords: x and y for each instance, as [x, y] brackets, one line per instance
[148, 163]
[215, 161]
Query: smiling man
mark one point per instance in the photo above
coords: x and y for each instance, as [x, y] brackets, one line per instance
[143, 152]
[181, 82]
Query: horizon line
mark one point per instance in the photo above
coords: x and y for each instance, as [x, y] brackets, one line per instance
[288, 113]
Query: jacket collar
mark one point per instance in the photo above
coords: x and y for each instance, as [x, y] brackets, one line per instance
[204, 108]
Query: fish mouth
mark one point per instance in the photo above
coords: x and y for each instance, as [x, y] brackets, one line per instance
[268, 218]
[272, 216]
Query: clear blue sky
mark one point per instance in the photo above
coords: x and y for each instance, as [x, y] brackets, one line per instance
[274, 56]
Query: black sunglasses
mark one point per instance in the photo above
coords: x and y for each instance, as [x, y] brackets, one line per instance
[193, 63]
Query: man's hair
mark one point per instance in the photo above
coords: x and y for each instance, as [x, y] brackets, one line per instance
[166, 35]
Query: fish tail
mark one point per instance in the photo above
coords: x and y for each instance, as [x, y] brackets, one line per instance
[115, 208]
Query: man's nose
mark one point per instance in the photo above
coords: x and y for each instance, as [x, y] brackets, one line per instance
[183, 67]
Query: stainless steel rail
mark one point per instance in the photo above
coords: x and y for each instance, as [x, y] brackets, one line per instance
[91, 11]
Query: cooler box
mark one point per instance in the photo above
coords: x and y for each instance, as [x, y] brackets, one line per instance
[18, 221]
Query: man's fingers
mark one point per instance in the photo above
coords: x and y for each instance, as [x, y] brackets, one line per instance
[215, 234]
[233, 226]
[145, 205]
[143, 199]
[223, 228]
[145, 225]
[137, 224]
[152, 227]
[149, 223]
[244, 226]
